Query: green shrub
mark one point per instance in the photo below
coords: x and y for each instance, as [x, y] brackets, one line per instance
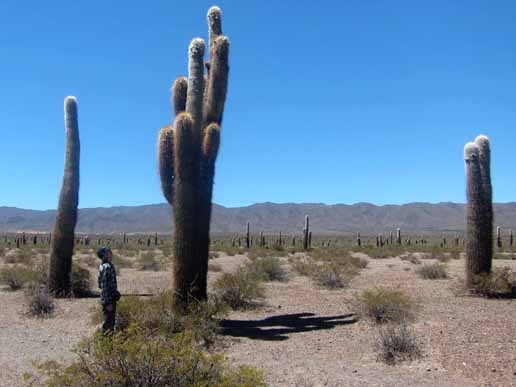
[384, 305]
[267, 269]
[397, 342]
[134, 359]
[240, 290]
[500, 283]
[158, 315]
[39, 300]
[433, 271]
[16, 276]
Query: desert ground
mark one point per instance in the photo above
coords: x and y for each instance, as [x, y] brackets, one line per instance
[301, 334]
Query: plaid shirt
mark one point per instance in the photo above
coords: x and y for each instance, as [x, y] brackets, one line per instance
[107, 282]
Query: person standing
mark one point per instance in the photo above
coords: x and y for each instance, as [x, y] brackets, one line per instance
[109, 294]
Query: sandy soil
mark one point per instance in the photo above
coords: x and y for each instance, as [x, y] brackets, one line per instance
[307, 336]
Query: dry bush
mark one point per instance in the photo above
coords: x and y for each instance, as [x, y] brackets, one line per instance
[267, 269]
[383, 305]
[39, 300]
[303, 266]
[214, 267]
[397, 342]
[213, 255]
[19, 256]
[240, 290]
[433, 271]
[332, 276]
[16, 276]
[81, 281]
[410, 257]
[500, 283]
[149, 262]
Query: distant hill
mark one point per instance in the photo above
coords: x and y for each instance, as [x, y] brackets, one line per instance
[269, 217]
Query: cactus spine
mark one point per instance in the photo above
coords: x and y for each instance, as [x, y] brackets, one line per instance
[187, 152]
[60, 267]
[478, 248]
[306, 232]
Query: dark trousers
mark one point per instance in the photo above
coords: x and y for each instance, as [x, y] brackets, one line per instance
[108, 327]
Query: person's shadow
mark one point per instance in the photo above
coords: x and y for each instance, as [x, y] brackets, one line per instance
[279, 327]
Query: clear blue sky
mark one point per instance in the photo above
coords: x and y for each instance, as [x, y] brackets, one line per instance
[329, 101]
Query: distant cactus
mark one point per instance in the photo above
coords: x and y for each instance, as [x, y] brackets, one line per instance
[478, 251]
[306, 231]
[398, 236]
[247, 240]
[498, 238]
[359, 241]
[187, 152]
[510, 237]
[60, 266]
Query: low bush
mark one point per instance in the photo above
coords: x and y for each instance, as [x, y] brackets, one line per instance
[267, 269]
[397, 342]
[241, 289]
[385, 305]
[500, 283]
[302, 266]
[214, 267]
[433, 271]
[412, 258]
[81, 281]
[39, 300]
[16, 276]
[157, 315]
[330, 276]
[20, 256]
[134, 359]
[149, 262]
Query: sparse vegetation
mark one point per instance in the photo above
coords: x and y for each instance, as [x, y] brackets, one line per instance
[148, 261]
[397, 342]
[39, 300]
[267, 269]
[433, 271]
[240, 290]
[16, 276]
[383, 305]
[501, 282]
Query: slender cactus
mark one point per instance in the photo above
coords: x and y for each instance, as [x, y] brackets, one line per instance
[187, 152]
[477, 260]
[306, 231]
[486, 243]
[247, 240]
[398, 236]
[60, 267]
[498, 238]
[359, 241]
[510, 237]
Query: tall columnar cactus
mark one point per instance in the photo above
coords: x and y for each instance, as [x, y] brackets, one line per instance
[247, 240]
[60, 268]
[359, 241]
[478, 261]
[306, 231]
[498, 237]
[510, 237]
[398, 236]
[187, 152]
[484, 149]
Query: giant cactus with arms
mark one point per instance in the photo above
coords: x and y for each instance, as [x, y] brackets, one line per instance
[187, 152]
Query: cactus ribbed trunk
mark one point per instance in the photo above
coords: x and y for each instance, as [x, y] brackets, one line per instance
[477, 260]
[60, 267]
[486, 226]
[187, 152]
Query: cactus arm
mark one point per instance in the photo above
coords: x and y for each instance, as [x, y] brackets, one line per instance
[166, 162]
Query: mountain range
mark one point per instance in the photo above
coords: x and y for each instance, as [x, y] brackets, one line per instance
[267, 217]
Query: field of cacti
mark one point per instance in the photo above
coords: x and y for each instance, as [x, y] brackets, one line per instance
[303, 317]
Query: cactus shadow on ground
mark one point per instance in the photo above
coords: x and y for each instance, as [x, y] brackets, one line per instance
[277, 328]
